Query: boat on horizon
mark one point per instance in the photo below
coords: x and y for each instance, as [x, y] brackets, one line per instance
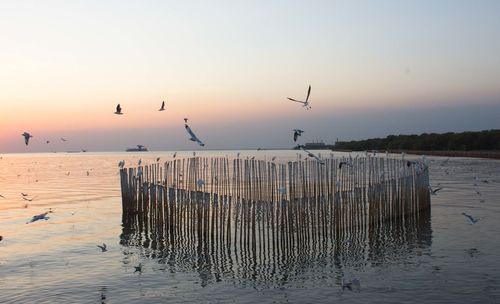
[140, 148]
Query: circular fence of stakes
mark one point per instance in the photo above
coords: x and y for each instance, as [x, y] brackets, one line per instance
[263, 206]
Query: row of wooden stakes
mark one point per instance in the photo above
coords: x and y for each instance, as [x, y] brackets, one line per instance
[260, 205]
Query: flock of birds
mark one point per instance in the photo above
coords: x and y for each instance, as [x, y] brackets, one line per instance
[193, 137]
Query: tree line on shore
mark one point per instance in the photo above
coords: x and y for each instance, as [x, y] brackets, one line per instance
[465, 141]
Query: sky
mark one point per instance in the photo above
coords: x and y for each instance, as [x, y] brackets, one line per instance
[376, 68]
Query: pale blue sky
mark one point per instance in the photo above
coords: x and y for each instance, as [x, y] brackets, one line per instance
[229, 65]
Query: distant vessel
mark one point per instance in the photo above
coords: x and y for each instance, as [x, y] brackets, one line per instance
[140, 148]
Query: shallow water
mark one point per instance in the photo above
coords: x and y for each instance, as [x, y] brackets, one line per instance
[438, 258]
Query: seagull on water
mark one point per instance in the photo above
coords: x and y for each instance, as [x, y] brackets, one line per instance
[470, 218]
[118, 110]
[349, 284]
[27, 137]
[434, 191]
[35, 218]
[193, 136]
[305, 103]
[103, 247]
[297, 133]
[162, 106]
[138, 268]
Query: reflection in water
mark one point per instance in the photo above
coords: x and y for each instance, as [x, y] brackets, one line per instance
[391, 242]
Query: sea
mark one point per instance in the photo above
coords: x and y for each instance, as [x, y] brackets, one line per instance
[440, 258]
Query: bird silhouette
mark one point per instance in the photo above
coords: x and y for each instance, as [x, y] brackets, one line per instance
[193, 136]
[296, 134]
[470, 218]
[103, 247]
[118, 110]
[27, 137]
[304, 103]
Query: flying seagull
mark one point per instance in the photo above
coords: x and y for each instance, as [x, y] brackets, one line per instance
[103, 247]
[470, 218]
[305, 103]
[26, 137]
[63, 139]
[162, 106]
[297, 133]
[193, 136]
[312, 155]
[118, 110]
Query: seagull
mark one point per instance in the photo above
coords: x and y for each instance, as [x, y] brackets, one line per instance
[118, 110]
[28, 199]
[103, 247]
[2, 196]
[297, 133]
[434, 191]
[121, 164]
[193, 136]
[63, 139]
[138, 268]
[24, 194]
[344, 163]
[353, 282]
[200, 183]
[162, 106]
[470, 218]
[26, 137]
[48, 142]
[305, 103]
[35, 218]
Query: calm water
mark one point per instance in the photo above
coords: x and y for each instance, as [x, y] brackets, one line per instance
[437, 258]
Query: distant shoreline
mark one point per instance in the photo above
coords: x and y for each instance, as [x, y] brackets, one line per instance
[451, 153]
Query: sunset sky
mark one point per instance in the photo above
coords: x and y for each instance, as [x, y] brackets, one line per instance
[376, 68]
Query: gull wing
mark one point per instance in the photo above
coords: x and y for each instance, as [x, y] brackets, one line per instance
[308, 93]
[295, 100]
